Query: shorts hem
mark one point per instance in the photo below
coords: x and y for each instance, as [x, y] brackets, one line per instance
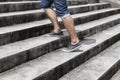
[66, 15]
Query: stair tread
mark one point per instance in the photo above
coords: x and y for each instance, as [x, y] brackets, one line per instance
[90, 4]
[97, 66]
[7, 7]
[116, 76]
[38, 11]
[28, 52]
[28, 25]
[15, 47]
[36, 67]
[19, 2]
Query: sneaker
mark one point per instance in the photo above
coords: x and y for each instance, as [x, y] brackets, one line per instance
[59, 33]
[72, 48]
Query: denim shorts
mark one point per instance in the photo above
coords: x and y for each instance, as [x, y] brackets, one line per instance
[60, 5]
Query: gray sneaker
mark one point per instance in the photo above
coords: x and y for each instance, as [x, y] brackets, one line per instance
[72, 48]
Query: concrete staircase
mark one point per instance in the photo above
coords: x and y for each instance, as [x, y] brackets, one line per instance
[114, 3]
[27, 52]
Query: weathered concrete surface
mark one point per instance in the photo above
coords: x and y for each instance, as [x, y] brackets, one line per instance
[32, 15]
[87, 1]
[27, 5]
[114, 3]
[16, 0]
[15, 33]
[28, 39]
[53, 65]
[19, 6]
[100, 67]
[116, 76]
[43, 44]
[82, 1]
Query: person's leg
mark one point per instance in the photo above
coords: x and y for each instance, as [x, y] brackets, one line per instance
[69, 25]
[62, 10]
[53, 17]
[46, 5]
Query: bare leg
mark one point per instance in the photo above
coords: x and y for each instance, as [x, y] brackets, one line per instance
[53, 17]
[68, 22]
[69, 25]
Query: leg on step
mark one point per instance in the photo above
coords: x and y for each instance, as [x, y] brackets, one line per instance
[63, 12]
[46, 5]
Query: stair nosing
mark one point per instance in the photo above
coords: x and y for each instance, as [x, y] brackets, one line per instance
[95, 64]
[18, 2]
[84, 50]
[56, 38]
[46, 21]
[33, 11]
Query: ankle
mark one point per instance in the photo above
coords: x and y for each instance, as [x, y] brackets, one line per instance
[75, 42]
[57, 30]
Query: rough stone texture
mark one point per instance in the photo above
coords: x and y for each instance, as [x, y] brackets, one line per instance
[114, 3]
[26, 30]
[15, 33]
[100, 67]
[27, 5]
[82, 1]
[33, 15]
[19, 6]
[88, 7]
[53, 65]
[116, 76]
[16, 0]
[44, 44]
[87, 1]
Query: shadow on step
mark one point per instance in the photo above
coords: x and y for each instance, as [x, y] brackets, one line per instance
[88, 41]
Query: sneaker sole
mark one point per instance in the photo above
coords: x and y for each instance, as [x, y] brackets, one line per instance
[66, 50]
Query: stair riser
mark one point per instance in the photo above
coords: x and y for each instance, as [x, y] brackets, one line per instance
[8, 7]
[89, 8]
[111, 71]
[96, 16]
[24, 18]
[99, 28]
[16, 0]
[82, 1]
[40, 30]
[11, 61]
[93, 1]
[61, 70]
[18, 7]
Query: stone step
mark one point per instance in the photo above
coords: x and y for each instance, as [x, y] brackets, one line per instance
[100, 67]
[26, 5]
[80, 1]
[116, 75]
[13, 18]
[19, 6]
[55, 64]
[19, 52]
[19, 32]
[30, 5]
[16, 0]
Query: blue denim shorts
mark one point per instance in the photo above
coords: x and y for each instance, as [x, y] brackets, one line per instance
[60, 5]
